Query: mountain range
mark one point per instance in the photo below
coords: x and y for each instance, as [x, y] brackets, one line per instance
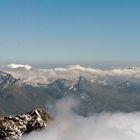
[93, 96]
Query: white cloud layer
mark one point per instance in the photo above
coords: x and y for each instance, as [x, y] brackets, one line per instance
[72, 72]
[17, 66]
[105, 126]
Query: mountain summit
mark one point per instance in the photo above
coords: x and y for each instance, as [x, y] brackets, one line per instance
[15, 127]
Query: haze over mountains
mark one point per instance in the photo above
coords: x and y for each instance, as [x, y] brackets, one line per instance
[33, 75]
[24, 88]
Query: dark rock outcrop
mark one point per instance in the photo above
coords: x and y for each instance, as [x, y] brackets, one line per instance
[15, 127]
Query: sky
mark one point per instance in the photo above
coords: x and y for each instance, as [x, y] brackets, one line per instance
[70, 31]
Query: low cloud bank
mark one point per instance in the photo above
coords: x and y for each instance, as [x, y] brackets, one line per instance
[104, 126]
[71, 72]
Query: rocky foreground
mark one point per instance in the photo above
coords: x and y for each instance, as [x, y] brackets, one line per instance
[15, 127]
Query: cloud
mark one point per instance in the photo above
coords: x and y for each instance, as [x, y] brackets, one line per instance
[104, 126]
[17, 66]
[72, 72]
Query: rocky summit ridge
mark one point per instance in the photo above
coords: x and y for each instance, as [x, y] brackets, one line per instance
[16, 126]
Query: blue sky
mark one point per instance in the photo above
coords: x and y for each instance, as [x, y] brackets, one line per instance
[70, 30]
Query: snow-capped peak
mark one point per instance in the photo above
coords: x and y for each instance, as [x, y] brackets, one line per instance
[16, 126]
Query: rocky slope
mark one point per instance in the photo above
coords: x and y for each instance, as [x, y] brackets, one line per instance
[20, 96]
[6, 80]
[15, 127]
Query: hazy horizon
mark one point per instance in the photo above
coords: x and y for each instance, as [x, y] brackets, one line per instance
[92, 64]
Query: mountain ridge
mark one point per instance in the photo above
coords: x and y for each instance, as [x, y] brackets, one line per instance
[13, 127]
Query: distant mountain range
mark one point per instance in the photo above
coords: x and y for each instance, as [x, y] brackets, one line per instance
[18, 96]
